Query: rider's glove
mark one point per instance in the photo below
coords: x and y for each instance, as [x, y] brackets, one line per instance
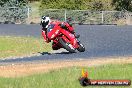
[44, 29]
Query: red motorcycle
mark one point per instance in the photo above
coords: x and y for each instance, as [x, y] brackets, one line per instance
[63, 38]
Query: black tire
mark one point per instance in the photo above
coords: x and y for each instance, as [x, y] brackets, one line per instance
[66, 46]
[81, 48]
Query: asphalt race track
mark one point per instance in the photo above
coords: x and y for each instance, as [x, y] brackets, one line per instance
[99, 41]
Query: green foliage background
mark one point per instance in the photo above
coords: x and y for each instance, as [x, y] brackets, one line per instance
[123, 5]
[12, 3]
[97, 5]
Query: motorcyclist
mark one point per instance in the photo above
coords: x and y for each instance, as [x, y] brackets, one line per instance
[46, 22]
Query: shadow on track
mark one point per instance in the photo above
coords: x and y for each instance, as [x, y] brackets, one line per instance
[43, 53]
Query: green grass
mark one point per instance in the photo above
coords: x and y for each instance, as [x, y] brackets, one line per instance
[19, 46]
[68, 77]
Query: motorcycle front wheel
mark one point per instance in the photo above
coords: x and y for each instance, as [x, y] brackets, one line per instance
[81, 48]
[67, 46]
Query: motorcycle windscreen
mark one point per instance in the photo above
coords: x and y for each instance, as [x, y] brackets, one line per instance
[50, 28]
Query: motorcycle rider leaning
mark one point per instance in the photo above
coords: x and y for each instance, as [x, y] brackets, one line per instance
[46, 22]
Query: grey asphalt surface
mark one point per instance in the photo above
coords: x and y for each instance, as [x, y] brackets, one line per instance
[99, 41]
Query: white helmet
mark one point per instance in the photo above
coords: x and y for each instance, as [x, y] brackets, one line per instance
[45, 21]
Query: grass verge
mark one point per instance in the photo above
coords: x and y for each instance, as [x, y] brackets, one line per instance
[21, 46]
[68, 77]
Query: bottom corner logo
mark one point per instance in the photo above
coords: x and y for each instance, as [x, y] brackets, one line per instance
[85, 81]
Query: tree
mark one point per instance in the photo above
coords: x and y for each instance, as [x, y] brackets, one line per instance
[14, 2]
[99, 5]
[77, 4]
[62, 4]
[123, 5]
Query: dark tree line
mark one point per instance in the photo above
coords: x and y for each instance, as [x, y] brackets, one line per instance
[87, 4]
[20, 2]
[123, 4]
[81, 4]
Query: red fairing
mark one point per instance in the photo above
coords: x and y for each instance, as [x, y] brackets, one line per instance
[45, 37]
[71, 38]
[70, 28]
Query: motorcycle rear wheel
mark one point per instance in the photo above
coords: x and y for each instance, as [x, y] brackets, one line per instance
[67, 46]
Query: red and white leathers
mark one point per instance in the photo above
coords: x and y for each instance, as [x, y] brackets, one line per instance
[44, 32]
